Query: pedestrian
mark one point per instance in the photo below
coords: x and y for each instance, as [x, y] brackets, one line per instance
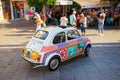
[83, 24]
[49, 17]
[101, 22]
[43, 17]
[77, 20]
[63, 20]
[73, 19]
[38, 21]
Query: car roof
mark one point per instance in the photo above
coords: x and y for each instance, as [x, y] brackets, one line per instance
[53, 30]
[57, 29]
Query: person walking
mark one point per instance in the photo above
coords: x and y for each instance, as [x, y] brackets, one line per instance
[83, 24]
[101, 22]
[38, 21]
[77, 20]
[73, 19]
[43, 17]
[63, 20]
[49, 17]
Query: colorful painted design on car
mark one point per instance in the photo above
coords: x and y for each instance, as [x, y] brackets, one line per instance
[66, 50]
[81, 47]
[64, 53]
[48, 49]
[72, 51]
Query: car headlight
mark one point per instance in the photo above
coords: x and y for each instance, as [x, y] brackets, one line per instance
[35, 56]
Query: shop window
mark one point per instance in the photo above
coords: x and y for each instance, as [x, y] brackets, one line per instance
[6, 9]
[18, 9]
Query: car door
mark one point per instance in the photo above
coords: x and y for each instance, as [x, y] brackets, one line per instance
[74, 43]
[60, 41]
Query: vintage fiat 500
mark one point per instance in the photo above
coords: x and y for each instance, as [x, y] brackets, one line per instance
[52, 45]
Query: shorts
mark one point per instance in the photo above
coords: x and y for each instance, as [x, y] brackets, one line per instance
[83, 29]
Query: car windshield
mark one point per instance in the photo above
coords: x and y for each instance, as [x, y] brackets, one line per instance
[40, 34]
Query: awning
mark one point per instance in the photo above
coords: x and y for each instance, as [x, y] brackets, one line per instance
[91, 3]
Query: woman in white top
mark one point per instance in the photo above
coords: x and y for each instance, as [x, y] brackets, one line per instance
[63, 20]
[38, 21]
[83, 24]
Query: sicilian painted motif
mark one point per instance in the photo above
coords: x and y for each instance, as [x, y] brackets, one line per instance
[60, 45]
[72, 42]
[65, 49]
[79, 40]
[72, 51]
[64, 53]
[81, 47]
[48, 48]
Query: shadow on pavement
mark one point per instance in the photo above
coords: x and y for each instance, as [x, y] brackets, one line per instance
[19, 24]
[92, 35]
[105, 27]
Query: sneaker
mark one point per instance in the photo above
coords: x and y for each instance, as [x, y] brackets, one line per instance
[101, 34]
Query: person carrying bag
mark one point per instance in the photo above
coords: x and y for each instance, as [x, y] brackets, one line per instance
[83, 24]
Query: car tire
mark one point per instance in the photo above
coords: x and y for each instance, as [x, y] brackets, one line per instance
[87, 51]
[54, 63]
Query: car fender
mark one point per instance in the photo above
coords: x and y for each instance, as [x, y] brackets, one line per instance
[86, 44]
[49, 57]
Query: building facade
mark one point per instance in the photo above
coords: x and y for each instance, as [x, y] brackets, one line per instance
[12, 9]
[5, 12]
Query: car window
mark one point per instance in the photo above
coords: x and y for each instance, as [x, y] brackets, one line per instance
[59, 38]
[40, 34]
[72, 34]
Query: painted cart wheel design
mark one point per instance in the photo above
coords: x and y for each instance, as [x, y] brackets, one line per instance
[64, 53]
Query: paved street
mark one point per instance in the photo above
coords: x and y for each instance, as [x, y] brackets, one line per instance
[103, 62]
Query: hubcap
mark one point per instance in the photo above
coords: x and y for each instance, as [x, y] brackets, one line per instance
[54, 63]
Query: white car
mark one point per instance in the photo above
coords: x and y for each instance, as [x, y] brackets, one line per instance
[52, 45]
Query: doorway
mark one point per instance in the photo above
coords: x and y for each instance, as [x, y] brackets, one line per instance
[18, 9]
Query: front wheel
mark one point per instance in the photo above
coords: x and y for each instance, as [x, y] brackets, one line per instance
[87, 51]
[54, 63]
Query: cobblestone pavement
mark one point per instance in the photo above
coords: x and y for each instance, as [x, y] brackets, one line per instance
[103, 63]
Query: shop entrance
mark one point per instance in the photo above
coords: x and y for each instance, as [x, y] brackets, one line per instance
[6, 9]
[18, 9]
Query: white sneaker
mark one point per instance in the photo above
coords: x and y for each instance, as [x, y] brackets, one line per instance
[101, 34]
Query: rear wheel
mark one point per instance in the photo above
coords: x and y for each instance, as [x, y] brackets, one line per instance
[54, 63]
[87, 51]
